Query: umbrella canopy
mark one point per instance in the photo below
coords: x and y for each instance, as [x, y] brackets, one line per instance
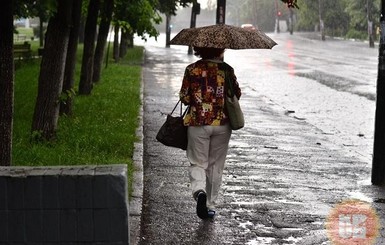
[223, 36]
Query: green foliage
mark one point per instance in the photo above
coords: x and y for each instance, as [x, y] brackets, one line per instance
[357, 11]
[137, 17]
[291, 3]
[169, 7]
[102, 130]
[357, 14]
[65, 95]
[23, 34]
[346, 18]
[355, 34]
[32, 8]
[335, 18]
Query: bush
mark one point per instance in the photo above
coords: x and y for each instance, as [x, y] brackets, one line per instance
[354, 34]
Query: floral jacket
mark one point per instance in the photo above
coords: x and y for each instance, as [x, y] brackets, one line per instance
[203, 89]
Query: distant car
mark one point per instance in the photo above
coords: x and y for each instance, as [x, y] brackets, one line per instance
[248, 26]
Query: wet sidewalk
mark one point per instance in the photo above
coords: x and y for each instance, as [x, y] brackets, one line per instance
[283, 176]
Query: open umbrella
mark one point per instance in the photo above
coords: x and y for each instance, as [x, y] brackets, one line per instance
[223, 36]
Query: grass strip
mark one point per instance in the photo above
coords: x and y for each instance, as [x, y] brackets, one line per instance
[102, 128]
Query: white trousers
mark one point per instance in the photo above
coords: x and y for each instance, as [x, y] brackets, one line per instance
[206, 151]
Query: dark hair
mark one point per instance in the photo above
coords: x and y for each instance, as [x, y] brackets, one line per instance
[208, 53]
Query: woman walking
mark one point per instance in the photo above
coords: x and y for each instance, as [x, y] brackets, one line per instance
[203, 89]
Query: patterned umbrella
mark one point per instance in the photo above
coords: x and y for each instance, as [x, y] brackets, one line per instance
[223, 36]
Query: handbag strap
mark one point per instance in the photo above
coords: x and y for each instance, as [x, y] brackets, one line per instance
[181, 113]
[228, 82]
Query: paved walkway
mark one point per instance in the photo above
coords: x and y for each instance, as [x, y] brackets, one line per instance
[283, 179]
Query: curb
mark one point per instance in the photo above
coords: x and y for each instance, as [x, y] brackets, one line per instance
[135, 204]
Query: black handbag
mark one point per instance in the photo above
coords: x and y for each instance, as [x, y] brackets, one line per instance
[173, 133]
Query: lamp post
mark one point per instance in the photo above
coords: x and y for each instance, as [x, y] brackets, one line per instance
[378, 164]
[196, 9]
[221, 11]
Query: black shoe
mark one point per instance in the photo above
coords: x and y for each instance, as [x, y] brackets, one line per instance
[201, 205]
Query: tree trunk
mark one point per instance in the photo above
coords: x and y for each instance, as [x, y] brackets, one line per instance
[124, 40]
[104, 28]
[41, 32]
[85, 84]
[6, 82]
[291, 21]
[321, 22]
[370, 23]
[81, 30]
[168, 30]
[69, 73]
[277, 15]
[116, 43]
[131, 40]
[378, 170]
[52, 66]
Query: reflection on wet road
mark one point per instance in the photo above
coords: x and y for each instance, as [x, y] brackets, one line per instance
[306, 145]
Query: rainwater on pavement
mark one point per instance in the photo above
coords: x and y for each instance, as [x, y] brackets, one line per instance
[307, 145]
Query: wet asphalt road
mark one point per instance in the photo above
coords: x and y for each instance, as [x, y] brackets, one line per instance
[290, 165]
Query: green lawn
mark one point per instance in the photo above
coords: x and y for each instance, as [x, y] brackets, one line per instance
[102, 129]
[23, 34]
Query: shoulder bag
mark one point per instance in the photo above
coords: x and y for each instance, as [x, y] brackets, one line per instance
[232, 106]
[173, 132]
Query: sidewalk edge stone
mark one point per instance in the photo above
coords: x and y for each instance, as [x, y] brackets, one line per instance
[135, 204]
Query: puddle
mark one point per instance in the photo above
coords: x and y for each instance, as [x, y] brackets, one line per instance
[239, 144]
[288, 202]
[318, 223]
[244, 203]
[292, 229]
[360, 196]
[293, 240]
[365, 182]
[261, 240]
[247, 223]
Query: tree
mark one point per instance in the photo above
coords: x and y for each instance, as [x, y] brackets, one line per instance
[86, 72]
[328, 16]
[124, 41]
[52, 66]
[290, 3]
[116, 42]
[169, 8]
[262, 14]
[134, 17]
[104, 28]
[6, 82]
[308, 17]
[68, 93]
[344, 18]
[359, 15]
